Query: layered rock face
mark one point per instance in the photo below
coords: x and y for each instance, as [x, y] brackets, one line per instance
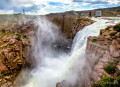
[103, 54]
[14, 47]
[70, 25]
[79, 24]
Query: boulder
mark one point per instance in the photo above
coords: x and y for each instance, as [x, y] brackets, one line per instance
[114, 49]
[12, 41]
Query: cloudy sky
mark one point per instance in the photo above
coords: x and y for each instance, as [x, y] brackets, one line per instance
[42, 7]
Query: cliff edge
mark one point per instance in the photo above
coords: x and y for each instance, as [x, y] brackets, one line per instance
[14, 51]
[103, 54]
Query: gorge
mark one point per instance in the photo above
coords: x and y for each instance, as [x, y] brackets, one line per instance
[36, 53]
[59, 43]
[72, 68]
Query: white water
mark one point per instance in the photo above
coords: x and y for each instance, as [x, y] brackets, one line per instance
[53, 67]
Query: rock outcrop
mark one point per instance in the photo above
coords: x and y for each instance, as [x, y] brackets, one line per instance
[79, 24]
[14, 46]
[70, 25]
[103, 54]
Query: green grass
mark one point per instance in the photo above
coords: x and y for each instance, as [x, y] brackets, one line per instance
[113, 62]
[113, 33]
[117, 27]
[105, 82]
[110, 15]
[10, 46]
[94, 40]
[18, 37]
[110, 69]
[3, 30]
[107, 28]
[114, 37]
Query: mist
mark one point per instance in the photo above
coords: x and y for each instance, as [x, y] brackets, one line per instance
[71, 69]
[49, 63]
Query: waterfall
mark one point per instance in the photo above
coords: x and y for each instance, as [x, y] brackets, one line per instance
[51, 66]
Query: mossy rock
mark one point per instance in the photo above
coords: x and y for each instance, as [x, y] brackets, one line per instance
[80, 20]
[117, 27]
[18, 37]
[3, 30]
[107, 28]
[113, 62]
[110, 69]
[114, 37]
[113, 33]
[10, 46]
[105, 82]
[94, 40]
[86, 19]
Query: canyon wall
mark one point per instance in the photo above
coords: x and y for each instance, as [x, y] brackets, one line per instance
[15, 45]
[103, 54]
[70, 25]
[15, 51]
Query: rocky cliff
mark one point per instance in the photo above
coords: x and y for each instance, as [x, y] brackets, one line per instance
[79, 24]
[103, 53]
[103, 56]
[70, 25]
[14, 51]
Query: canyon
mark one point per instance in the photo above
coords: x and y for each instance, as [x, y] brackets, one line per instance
[102, 53]
[29, 57]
